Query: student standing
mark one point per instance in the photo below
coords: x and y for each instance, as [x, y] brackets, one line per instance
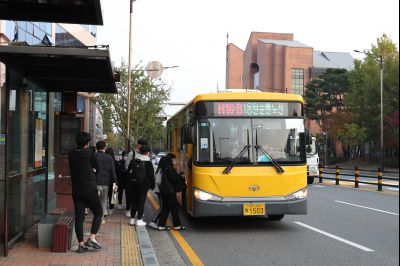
[131, 156]
[158, 180]
[171, 183]
[84, 190]
[141, 178]
[111, 188]
[105, 174]
[121, 176]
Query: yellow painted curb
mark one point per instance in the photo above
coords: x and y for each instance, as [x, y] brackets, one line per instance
[130, 251]
[351, 185]
[192, 256]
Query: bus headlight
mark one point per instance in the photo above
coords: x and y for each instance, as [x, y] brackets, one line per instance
[204, 196]
[301, 194]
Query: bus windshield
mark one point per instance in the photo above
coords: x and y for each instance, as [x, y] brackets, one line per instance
[220, 140]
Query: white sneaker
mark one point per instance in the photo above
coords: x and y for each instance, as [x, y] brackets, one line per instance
[128, 213]
[132, 221]
[110, 211]
[103, 221]
[153, 225]
[119, 207]
[140, 223]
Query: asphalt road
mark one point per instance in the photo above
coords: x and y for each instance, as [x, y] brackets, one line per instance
[343, 227]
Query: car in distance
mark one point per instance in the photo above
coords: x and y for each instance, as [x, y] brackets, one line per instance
[158, 157]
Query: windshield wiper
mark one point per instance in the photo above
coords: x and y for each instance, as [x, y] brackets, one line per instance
[277, 167]
[228, 169]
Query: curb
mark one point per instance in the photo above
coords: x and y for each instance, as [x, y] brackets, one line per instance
[146, 249]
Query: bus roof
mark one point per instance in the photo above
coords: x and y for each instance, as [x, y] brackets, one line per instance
[252, 96]
[243, 96]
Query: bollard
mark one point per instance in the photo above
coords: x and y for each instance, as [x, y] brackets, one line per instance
[320, 174]
[380, 174]
[337, 174]
[357, 177]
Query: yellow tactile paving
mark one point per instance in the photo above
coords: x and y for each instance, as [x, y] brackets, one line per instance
[130, 251]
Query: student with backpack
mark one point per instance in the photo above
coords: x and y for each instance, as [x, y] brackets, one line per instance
[140, 180]
[131, 156]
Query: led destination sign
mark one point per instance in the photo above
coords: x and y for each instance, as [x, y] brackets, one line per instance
[249, 109]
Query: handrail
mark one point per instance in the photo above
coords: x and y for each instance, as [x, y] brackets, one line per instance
[379, 177]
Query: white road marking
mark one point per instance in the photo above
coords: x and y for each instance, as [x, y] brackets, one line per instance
[392, 213]
[336, 237]
[393, 189]
[318, 186]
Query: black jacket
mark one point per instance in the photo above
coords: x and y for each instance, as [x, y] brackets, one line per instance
[170, 180]
[81, 165]
[105, 175]
[150, 181]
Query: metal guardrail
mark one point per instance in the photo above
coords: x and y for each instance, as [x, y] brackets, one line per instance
[356, 174]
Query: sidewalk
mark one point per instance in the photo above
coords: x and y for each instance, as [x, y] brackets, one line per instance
[119, 241]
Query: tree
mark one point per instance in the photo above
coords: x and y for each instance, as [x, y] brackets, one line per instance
[324, 99]
[147, 99]
[364, 98]
[352, 137]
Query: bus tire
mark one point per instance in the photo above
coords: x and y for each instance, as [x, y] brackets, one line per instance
[310, 180]
[275, 217]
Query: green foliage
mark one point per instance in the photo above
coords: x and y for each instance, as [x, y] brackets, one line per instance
[324, 95]
[147, 98]
[352, 135]
[364, 97]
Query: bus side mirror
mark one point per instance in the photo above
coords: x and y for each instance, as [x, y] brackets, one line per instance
[308, 149]
[308, 137]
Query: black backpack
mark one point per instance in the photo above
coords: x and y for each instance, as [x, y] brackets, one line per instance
[137, 174]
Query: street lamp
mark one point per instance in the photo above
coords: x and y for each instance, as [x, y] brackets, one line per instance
[128, 130]
[380, 60]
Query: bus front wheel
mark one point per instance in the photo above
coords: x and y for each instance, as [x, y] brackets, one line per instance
[275, 217]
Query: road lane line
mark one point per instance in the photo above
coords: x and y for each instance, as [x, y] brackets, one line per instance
[335, 237]
[343, 202]
[192, 256]
[318, 186]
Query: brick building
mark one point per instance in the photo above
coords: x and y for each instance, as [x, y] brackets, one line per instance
[275, 62]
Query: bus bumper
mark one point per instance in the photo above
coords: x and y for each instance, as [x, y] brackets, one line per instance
[229, 208]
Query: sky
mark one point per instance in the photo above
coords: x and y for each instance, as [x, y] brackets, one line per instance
[192, 34]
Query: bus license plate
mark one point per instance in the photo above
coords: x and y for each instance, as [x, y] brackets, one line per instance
[253, 209]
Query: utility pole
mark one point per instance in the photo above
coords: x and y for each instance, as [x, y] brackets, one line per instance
[128, 129]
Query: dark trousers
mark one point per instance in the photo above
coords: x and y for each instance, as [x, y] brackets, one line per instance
[138, 196]
[128, 195]
[110, 193]
[170, 204]
[121, 189]
[157, 213]
[87, 199]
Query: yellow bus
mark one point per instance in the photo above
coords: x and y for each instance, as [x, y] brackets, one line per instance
[243, 153]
